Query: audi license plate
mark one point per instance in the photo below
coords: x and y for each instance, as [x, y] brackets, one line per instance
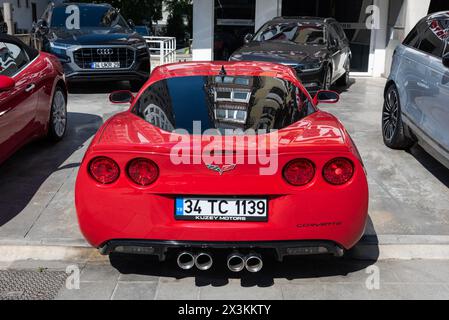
[105, 65]
[206, 209]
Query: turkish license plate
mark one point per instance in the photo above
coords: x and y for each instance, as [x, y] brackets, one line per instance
[105, 65]
[223, 209]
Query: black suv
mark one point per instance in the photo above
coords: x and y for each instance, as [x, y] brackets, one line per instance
[317, 48]
[93, 42]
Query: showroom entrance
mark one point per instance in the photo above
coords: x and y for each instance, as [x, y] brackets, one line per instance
[352, 14]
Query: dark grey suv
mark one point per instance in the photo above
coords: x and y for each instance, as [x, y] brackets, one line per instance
[317, 48]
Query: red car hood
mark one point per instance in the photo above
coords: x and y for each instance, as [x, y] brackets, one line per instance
[126, 131]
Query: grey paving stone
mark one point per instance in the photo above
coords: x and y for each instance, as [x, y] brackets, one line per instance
[137, 278]
[99, 272]
[234, 291]
[135, 291]
[99, 290]
[177, 289]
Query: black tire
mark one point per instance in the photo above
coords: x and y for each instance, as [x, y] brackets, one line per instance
[393, 128]
[343, 81]
[57, 126]
[327, 79]
[136, 85]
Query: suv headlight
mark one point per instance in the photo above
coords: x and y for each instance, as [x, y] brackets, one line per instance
[310, 66]
[59, 49]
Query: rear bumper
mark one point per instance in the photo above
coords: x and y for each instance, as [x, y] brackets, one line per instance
[162, 248]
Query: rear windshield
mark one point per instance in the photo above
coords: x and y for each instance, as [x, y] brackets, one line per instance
[223, 102]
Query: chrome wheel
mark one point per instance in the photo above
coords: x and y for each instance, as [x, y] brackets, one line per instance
[59, 114]
[390, 115]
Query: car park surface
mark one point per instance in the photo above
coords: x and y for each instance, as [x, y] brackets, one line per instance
[409, 191]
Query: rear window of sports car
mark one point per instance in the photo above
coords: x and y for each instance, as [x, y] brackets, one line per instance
[223, 102]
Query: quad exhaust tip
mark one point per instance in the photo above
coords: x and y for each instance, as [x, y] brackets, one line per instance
[186, 260]
[253, 262]
[236, 262]
[203, 261]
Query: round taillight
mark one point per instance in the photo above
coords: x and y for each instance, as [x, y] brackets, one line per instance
[338, 171]
[104, 170]
[299, 172]
[143, 171]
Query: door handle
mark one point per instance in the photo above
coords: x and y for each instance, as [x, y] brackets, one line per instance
[30, 87]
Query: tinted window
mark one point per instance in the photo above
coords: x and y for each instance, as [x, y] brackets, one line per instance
[431, 43]
[339, 31]
[412, 40]
[333, 37]
[223, 103]
[304, 34]
[12, 59]
[90, 17]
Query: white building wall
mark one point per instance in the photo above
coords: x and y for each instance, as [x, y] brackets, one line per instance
[267, 10]
[23, 16]
[203, 30]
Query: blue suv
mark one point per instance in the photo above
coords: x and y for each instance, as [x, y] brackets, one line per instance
[416, 107]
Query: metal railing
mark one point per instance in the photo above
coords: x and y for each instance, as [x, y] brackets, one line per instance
[163, 48]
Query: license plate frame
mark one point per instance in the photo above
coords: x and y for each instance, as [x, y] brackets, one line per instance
[232, 204]
[105, 65]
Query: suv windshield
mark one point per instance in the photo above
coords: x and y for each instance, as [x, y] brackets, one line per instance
[303, 34]
[223, 102]
[89, 17]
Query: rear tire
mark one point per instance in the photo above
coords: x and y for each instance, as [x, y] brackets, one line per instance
[343, 81]
[57, 127]
[393, 128]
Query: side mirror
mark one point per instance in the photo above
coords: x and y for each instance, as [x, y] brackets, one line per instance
[122, 96]
[6, 83]
[326, 96]
[131, 23]
[42, 26]
[248, 38]
[446, 60]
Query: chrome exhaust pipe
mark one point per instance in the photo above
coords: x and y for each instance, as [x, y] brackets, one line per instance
[236, 262]
[186, 260]
[203, 261]
[253, 262]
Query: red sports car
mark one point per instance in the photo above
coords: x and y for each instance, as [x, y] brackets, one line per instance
[33, 96]
[222, 156]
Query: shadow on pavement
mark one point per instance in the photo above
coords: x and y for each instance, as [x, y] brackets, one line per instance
[94, 87]
[342, 89]
[432, 165]
[24, 173]
[312, 267]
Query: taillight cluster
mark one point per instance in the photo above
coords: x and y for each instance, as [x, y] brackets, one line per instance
[142, 172]
[301, 172]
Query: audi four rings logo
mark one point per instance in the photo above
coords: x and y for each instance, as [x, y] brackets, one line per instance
[105, 52]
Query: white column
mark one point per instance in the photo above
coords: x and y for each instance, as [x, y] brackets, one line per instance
[266, 10]
[416, 10]
[203, 30]
[8, 13]
[380, 42]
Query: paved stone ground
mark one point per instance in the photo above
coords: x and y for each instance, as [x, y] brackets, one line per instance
[409, 191]
[304, 279]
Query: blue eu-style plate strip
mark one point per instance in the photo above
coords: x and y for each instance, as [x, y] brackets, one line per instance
[179, 206]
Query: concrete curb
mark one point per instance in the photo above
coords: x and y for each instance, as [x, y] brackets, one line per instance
[387, 247]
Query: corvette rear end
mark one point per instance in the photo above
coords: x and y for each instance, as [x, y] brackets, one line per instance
[168, 178]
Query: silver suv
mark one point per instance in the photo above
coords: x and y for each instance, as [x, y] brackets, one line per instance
[416, 107]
